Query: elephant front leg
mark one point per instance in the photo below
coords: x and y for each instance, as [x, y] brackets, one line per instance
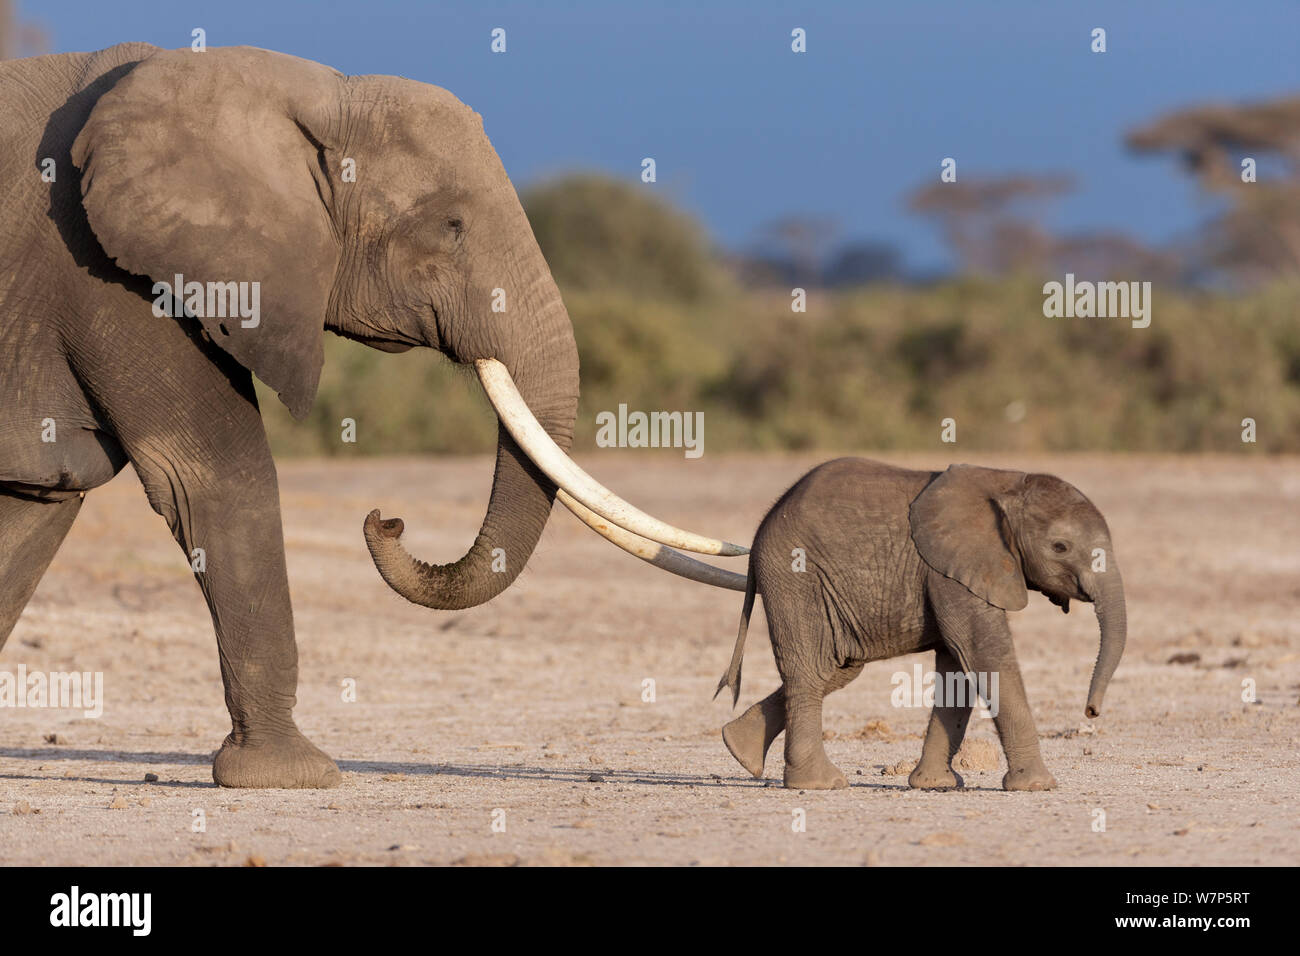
[983, 644]
[247, 590]
[186, 417]
[1015, 723]
[947, 728]
[230, 531]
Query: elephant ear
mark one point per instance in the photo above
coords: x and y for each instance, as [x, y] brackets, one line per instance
[957, 525]
[210, 165]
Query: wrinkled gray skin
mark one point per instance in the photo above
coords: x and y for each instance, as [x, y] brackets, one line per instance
[227, 166]
[903, 561]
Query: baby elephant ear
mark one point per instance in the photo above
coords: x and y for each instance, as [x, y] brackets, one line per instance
[957, 528]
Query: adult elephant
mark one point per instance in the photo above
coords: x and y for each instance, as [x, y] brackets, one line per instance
[371, 206]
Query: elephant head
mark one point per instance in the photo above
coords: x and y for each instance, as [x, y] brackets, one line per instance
[1001, 533]
[376, 208]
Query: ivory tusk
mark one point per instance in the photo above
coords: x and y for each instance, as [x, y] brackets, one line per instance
[561, 469]
[661, 557]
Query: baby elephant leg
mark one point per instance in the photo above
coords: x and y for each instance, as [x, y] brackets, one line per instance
[1015, 723]
[987, 648]
[947, 729]
[806, 765]
[750, 736]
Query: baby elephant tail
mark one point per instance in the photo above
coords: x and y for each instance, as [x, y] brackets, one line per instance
[732, 677]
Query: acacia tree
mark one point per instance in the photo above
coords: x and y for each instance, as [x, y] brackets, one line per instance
[1112, 255]
[1249, 156]
[993, 225]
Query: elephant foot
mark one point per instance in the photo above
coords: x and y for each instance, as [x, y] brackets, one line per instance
[287, 762]
[744, 738]
[938, 778]
[1029, 778]
[822, 775]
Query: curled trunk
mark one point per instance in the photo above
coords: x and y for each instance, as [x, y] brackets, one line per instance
[545, 367]
[517, 512]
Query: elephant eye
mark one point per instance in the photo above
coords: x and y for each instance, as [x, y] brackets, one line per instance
[456, 225]
[1060, 547]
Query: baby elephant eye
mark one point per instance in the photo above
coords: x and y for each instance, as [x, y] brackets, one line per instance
[1060, 547]
[456, 225]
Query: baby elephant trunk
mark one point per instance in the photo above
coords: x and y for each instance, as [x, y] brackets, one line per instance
[1112, 618]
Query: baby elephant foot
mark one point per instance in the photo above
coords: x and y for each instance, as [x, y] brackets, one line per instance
[817, 775]
[935, 778]
[284, 761]
[1029, 778]
[744, 738]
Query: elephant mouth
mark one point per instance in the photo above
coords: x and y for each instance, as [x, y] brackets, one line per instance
[1069, 590]
[1062, 596]
[376, 342]
[1062, 602]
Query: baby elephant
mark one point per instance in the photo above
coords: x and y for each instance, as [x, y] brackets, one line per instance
[862, 561]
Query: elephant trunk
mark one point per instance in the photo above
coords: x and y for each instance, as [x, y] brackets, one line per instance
[545, 368]
[1112, 619]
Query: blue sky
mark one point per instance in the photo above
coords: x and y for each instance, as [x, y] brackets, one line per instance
[744, 131]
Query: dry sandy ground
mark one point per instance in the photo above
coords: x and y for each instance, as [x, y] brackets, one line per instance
[532, 706]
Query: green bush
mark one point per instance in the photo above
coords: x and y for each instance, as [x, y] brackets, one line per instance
[871, 369]
[601, 234]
